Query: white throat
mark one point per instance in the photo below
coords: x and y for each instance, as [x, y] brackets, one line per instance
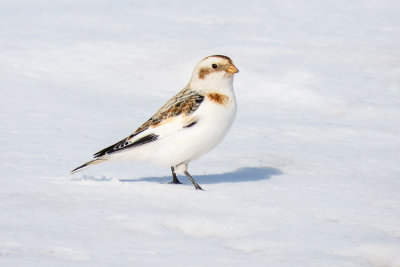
[214, 82]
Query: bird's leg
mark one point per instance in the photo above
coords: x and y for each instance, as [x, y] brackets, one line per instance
[174, 178]
[196, 185]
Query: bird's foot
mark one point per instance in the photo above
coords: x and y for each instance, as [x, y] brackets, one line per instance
[175, 181]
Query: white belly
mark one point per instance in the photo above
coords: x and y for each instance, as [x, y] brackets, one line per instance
[186, 144]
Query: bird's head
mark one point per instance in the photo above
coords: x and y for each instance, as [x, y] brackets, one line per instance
[213, 72]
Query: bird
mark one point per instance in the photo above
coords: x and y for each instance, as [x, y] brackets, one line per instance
[187, 126]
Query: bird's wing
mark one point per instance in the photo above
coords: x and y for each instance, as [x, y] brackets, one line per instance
[185, 103]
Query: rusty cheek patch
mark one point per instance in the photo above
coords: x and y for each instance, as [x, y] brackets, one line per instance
[204, 72]
[218, 98]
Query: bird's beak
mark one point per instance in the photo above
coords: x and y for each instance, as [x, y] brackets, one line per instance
[232, 69]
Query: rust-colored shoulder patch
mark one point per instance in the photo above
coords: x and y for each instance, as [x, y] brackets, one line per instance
[218, 98]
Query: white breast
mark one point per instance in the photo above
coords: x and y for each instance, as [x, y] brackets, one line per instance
[177, 144]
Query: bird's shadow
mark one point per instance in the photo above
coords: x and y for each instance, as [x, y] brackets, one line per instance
[245, 174]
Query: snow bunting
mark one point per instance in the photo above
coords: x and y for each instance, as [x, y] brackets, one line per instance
[190, 124]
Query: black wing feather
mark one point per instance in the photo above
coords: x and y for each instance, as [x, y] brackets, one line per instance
[186, 101]
[125, 143]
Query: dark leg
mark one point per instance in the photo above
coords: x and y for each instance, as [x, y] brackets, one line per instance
[174, 178]
[196, 185]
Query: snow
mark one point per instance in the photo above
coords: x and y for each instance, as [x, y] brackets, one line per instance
[308, 175]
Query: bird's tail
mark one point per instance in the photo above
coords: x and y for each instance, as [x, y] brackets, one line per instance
[95, 161]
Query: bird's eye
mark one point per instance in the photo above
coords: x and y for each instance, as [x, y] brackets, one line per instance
[214, 66]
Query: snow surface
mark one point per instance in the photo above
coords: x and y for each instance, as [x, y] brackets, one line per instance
[308, 175]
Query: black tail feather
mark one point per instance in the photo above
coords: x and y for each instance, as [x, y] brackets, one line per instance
[95, 161]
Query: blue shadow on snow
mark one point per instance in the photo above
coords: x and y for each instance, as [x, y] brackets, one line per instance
[245, 174]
